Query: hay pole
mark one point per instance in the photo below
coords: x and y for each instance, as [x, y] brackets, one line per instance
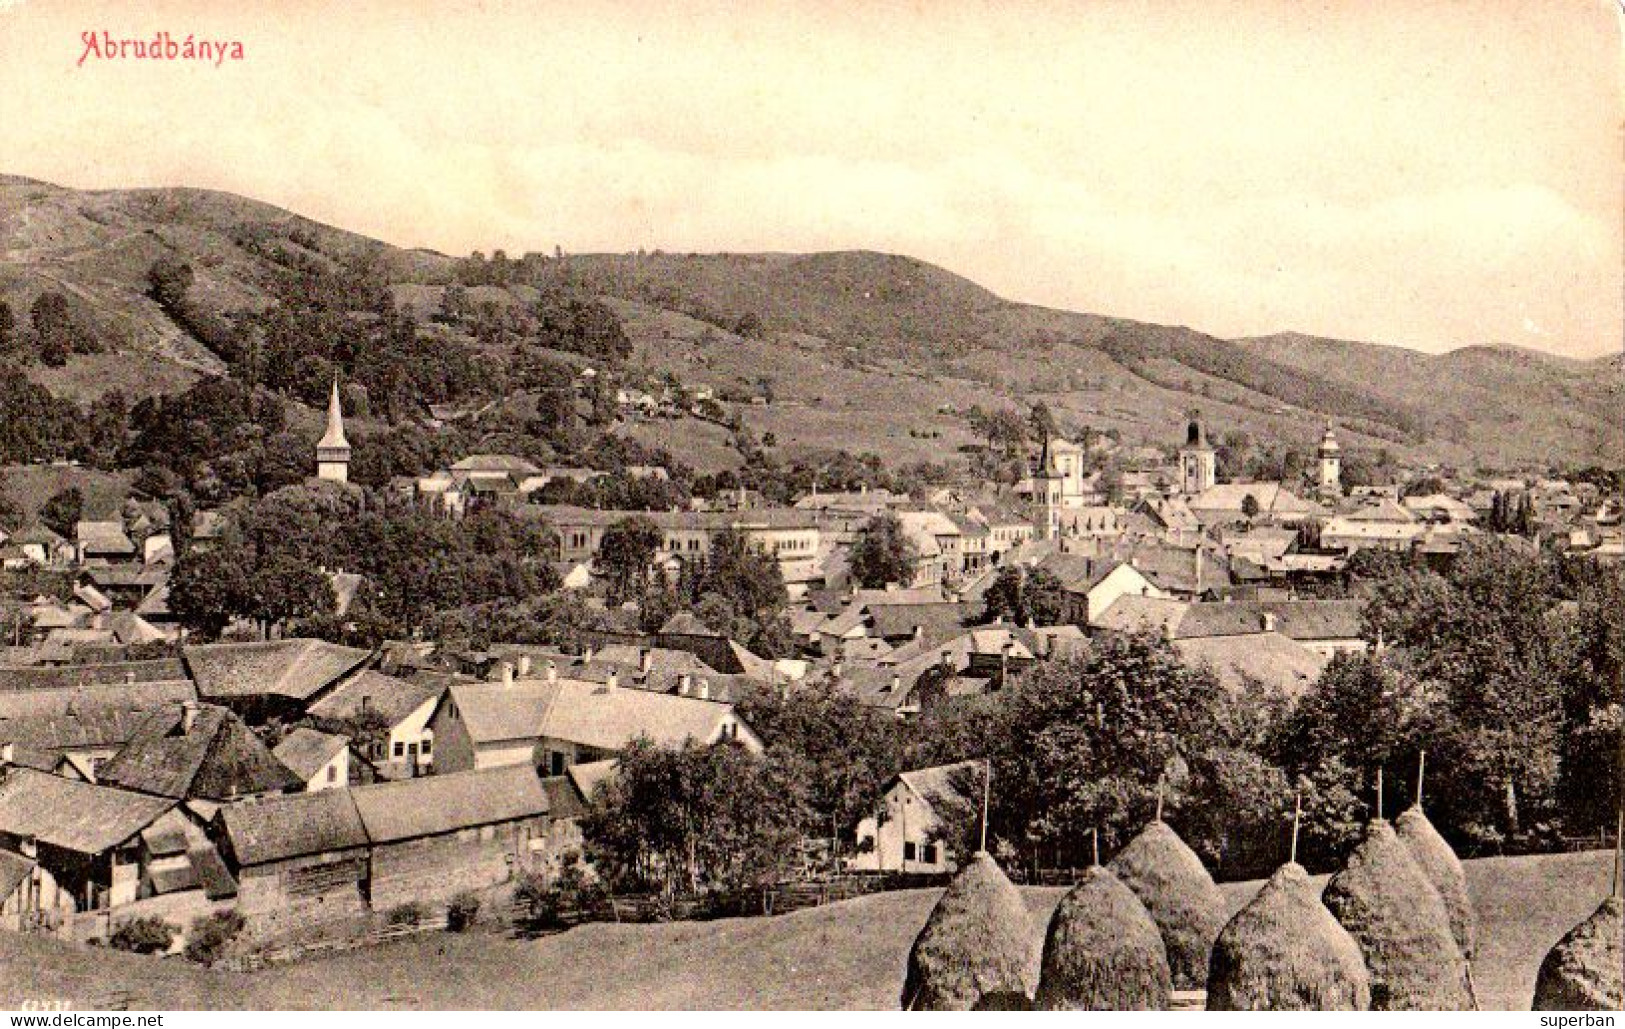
[1379, 792]
[1421, 770]
[1161, 780]
[987, 791]
[1094, 839]
[1619, 852]
[1297, 816]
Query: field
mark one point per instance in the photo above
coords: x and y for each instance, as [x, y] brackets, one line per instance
[848, 955]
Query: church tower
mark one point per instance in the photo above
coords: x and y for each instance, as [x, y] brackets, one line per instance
[333, 452]
[1331, 461]
[1198, 462]
[1048, 484]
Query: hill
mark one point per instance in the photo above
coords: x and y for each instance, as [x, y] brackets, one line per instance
[849, 955]
[862, 350]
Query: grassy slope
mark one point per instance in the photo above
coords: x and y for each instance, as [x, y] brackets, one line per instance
[844, 956]
[871, 343]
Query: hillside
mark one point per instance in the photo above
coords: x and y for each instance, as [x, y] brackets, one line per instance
[849, 955]
[866, 351]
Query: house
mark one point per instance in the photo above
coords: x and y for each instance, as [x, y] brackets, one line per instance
[278, 678]
[397, 706]
[87, 837]
[921, 812]
[554, 722]
[1440, 507]
[38, 545]
[197, 752]
[103, 542]
[1226, 504]
[1384, 525]
[1093, 584]
[1324, 627]
[310, 858]
[1270, 658]
[321, 760]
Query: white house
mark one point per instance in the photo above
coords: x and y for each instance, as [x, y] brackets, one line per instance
[914, 830]
[400, 707]
[321, 759]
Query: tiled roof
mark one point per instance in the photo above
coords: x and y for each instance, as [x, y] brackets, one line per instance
[70, 676]
[306, 751]
[219, 758]
[599, 716]
[944, 784]
[298, 825]
[439, 804]
[297, 668]
[73, 815]
[14, 871]
[1269, 657]
[392, 697]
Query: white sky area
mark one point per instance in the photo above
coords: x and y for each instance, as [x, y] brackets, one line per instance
[1420, 173]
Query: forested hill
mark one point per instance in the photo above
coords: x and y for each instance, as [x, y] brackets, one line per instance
[869, 351]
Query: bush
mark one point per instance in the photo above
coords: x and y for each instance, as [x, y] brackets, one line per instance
[145, 935]
[410, 913]
[462, 911]
[210, 935]
[547, 901]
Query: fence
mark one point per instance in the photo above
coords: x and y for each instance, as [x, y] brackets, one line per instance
[297, 952]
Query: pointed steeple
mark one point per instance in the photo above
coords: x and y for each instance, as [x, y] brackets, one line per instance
[333, 450]
[335, 421]
[1047, 468]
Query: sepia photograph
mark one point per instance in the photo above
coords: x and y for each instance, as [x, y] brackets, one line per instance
[833, 505]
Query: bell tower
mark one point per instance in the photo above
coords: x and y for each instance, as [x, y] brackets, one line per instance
[333, 451]
[1331, 461]
[1198, 462]
[1048, 485]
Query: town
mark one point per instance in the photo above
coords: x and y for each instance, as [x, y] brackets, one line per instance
[194, 763]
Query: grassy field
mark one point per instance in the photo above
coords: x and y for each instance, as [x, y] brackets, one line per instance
[843, 956]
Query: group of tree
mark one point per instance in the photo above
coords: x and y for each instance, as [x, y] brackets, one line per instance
[54, 332]
[883, 553]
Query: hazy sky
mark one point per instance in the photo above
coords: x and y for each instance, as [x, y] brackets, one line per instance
[1425, 173]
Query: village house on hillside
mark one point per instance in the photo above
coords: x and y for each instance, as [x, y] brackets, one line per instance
[198, 753]
[401, 706]
[275, 679]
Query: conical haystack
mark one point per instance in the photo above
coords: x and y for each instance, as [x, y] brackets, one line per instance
[1443, 869]
[1285, 952]
[1181, 896]
[1583, 972]
[1102, 951]
[979, 940]
[1402, 926]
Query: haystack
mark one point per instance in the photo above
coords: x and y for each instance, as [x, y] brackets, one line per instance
[1285, 952]
[1583, 972]
[1402, 926]
[1181, 896]
[979, 940]
[1443, 869]
[1102, 951]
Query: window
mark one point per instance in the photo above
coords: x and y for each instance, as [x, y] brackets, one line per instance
[332, 773]
[908, 852]
[556, 763]
[423, 748]
[400, 749]
[930, 853]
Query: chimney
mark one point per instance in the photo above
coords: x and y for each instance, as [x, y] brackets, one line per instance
[506, 673]
[523, 671]
[685, 684]
[703, 690]
[896, 682]
[552, 672]
[1269, 621]
[614, 679]
[919, 631]
[947, 658]
[8, 754]
[587, 655]
[366, 703]
[646, 658]
[998, 619]
[129, 678]
[188, 715]
[837, 667]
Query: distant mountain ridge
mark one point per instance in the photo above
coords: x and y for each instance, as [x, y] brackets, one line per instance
[872, 347]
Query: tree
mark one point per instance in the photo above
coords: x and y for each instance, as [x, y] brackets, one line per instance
[1249, 507]
[682, 821]
[883, 553]
[1024, 595]
[625, 553]
[54, 329]
[209, 588]
[169, 279]
[11, 341]
[62, 512]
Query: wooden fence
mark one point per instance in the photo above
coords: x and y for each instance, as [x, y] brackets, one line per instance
[297, 952]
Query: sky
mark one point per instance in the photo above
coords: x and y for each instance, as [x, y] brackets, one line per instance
[1422, 173]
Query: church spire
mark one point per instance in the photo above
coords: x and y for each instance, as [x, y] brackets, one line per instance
[333, 451]
[335, 420]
